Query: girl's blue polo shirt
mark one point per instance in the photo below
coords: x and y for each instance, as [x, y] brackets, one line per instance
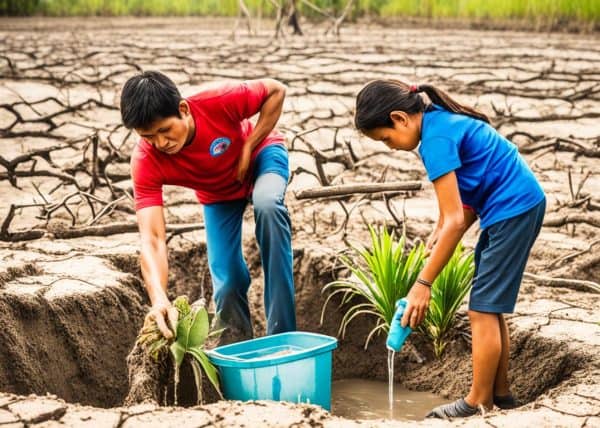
[492, 177]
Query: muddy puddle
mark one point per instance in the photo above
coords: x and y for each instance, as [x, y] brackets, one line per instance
[368, 399]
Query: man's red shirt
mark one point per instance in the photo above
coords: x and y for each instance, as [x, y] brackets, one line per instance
[208, 165]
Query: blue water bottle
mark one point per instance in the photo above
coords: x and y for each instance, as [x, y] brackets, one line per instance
[398, 334]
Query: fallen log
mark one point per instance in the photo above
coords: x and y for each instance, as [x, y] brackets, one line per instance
[557, 220]
[343, 190]
[100, 230]
[575, 284]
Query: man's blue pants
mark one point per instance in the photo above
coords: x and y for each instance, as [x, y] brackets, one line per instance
[230, 275]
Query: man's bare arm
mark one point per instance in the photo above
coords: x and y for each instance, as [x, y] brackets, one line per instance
[155, 266]
[270, 112]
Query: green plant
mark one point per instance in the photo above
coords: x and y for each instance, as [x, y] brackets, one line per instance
[545, 11]
[381, 275]
[447, 294]
[191, 331]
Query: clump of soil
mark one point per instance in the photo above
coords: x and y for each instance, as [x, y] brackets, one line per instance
[145, 377]
[73, 346]
[14, 272]
[153, 382]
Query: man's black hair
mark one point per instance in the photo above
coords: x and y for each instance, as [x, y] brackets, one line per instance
[147, 97]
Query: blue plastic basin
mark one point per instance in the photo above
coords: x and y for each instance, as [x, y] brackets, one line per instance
[294, 366]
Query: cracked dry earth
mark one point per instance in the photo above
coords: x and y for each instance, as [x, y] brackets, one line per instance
[70, 308]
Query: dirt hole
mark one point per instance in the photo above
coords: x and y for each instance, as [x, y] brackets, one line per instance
[77, 348]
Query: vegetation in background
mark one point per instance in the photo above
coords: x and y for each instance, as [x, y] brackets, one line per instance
[538, 10]
[381, 275]
[191, 332]
[447, 294]
[585, 10]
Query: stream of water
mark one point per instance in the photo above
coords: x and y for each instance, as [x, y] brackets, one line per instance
[390, 364]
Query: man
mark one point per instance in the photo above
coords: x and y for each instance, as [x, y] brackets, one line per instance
[206, 143]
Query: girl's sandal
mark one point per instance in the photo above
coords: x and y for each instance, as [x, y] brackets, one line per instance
[457, 409]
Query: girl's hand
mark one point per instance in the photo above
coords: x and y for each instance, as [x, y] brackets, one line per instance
[431, 241]
[418, 302]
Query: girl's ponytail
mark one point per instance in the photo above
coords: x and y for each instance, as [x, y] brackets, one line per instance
[379, 98]
[439, 97]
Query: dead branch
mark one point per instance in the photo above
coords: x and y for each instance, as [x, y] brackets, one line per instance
[278, 17]
[563, 259]
[243, 13]
[388, 204]
[40, 173]
[321, 157]
[293, 19]
[348, 212]
[49, 118]
[60, 232]
[317, 9]
[13, 164]
[344, 190]
[557, 220]
[561, 144]
[575, 284]
[116, 228]
[586, 263]
[337, 22]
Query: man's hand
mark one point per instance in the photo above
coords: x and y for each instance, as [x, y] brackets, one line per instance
[269, 114]
[244, 163]
[418, 302]
[166, 317]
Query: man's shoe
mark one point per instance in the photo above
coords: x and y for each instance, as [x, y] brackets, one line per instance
[505, 402]
[458, 409]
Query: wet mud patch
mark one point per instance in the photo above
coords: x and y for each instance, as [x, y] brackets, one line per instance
[537, 364]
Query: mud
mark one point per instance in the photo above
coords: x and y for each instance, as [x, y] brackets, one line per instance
[71, 344]
[368, 399]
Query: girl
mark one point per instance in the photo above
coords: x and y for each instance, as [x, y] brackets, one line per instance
[475, 173]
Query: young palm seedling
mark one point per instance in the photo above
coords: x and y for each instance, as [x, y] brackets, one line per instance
[447, 294]
[380, 276]
[191, 331]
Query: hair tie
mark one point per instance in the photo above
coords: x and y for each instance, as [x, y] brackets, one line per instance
[414, 88]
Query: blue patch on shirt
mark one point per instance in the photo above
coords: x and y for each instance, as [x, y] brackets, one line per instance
[219, 146]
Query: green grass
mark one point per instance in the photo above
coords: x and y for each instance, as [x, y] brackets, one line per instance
[585, 10]
[384, 272]
[539, 10]
[128, 7]
[447, 294]
[381, 275]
